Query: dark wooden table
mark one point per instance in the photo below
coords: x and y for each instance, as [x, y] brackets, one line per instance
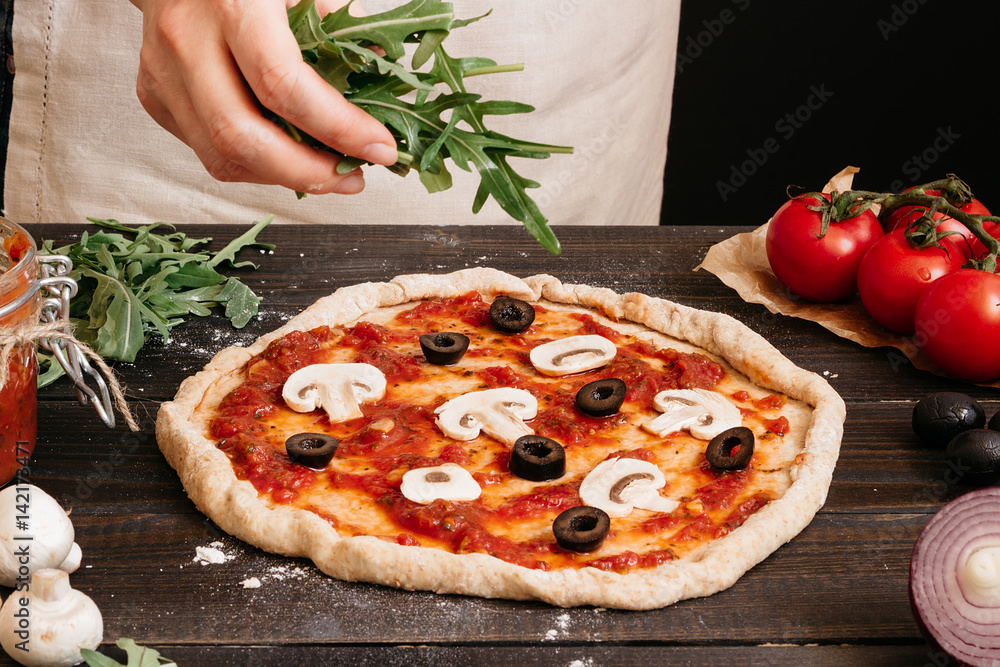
[835, 595]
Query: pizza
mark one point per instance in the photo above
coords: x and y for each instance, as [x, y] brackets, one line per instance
[482, 434]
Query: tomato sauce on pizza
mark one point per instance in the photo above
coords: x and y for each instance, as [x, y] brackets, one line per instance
[360, 491]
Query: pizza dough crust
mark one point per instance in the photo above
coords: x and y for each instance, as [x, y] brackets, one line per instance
[209, 480]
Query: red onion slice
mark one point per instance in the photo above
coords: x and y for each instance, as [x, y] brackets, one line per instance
[955, 578]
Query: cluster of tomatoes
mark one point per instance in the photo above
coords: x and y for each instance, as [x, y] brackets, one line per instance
[919, 271]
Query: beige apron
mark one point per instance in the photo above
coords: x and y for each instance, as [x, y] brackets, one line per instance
[600, 75]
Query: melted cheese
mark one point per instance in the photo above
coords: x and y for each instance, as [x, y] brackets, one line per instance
[359, 492]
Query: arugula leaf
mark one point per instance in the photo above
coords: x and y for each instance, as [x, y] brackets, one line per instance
[114, 315]
[241, 302]
[138, 656]
[132, 286]
[390, 28]
[338, 47]
[248, 238]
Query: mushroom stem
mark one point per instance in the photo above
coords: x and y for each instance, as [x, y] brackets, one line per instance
[50, 585]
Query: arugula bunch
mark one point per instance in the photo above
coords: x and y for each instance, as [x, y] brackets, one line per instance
[131, 286]
[338, 46]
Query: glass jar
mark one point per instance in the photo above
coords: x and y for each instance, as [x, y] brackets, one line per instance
[20, 306]
[34, 291]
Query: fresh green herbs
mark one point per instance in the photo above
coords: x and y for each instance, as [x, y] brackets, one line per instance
[341, 48]
[138, 656]
[134, 281]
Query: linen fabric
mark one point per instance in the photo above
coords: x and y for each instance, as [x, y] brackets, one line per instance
[599, 74]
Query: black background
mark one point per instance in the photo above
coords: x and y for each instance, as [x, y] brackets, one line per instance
[903, 80]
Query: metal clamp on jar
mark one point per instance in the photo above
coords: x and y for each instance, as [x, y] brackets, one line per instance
[61, 287]
[35, 292]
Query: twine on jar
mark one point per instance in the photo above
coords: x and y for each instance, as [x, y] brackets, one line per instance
[28, 333]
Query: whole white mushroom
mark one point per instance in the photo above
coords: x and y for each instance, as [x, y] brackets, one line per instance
[47, 623]
[35, 533]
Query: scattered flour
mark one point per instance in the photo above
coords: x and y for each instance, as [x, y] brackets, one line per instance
[211, 554]
[282, 572]
[277, 573]
[562, 625]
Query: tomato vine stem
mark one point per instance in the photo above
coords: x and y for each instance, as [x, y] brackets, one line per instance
[922, 232]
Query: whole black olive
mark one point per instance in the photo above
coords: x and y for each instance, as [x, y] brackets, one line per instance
[313, 450]
[940, 417]
[601, 398]
[731, 450]
[445, 348]
[511, 315]
[537, 458]
[975, 452]
[994, 422]
[581, 528]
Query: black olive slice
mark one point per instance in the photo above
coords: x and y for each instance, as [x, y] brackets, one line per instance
[445, 348]
[941, 416]
[581, 528]
[537, 458]
[511, 315]
[601, 398]
[313, 450]
[731, 449]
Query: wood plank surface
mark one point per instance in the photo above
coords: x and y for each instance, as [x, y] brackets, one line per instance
[835, 595]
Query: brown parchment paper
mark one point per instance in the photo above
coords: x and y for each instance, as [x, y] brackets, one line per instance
[741, 263]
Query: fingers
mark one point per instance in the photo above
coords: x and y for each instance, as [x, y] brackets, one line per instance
[225, 128]
[283, 83]
[191, 83]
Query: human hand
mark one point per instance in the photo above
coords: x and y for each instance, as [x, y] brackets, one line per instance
[205, 64]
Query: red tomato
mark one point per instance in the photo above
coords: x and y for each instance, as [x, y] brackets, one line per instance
[978, 247]
[974, 207]
[893, 275]
[958, 324]
[904, 216]
[962, 241]
[16, 247]
[818, 268]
